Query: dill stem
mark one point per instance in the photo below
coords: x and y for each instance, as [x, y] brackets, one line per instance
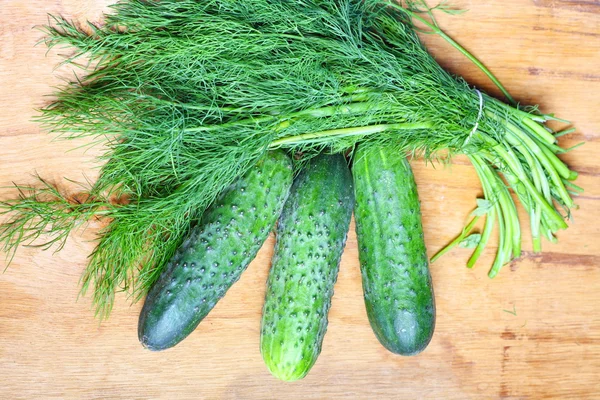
[517, 169]
[356, 131]
[573, 186]
[457, 240]
[573, 173]
[553, 148]
[564, 132]
[482, 170]
[539, 178]
[543, 134]
[507, 211]
[536, 220]
[356, 107]
[485, 237]
[560, 166]
[541, 183]
[551, 163]
[510, 212]
[553, 166]
[503, 253]
[489, 218]
[435, 29]
[189, 106]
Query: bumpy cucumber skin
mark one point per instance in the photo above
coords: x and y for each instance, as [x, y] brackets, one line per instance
[215, 253]
[311, 235]
[396, 280]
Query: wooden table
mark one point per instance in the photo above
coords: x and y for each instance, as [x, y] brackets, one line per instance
[531, 333]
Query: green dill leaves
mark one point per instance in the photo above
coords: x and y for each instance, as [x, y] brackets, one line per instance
[187, 95]
[471, 241]
[483, 207]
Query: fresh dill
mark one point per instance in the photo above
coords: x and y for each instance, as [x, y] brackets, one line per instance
[186, 95]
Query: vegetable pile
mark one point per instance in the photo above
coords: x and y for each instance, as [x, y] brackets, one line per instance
[194, 100]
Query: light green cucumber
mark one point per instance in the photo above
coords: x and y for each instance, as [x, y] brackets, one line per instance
[215, 253]
[396, 280]
[311, 235]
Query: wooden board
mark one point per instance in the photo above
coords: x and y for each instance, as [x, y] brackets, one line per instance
[532, 333]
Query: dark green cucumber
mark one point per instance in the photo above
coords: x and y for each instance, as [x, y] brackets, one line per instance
[311, 235]
[215, 253]
[395, 271]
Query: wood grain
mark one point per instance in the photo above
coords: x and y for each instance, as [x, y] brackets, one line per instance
[531, 333]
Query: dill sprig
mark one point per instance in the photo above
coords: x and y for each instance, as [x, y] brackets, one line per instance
[186, 95]
[43, 216]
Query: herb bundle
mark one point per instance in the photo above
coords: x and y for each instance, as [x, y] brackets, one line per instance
[186, 95]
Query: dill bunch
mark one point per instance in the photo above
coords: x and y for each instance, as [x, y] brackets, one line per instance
[187, 95]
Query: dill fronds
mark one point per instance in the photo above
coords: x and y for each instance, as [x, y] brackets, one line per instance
[186, 95]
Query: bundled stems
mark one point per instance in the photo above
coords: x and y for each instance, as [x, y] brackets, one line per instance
[526, 157]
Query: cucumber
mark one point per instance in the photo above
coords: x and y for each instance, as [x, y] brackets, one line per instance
[215, 253]
[311, 235]
[395, 273]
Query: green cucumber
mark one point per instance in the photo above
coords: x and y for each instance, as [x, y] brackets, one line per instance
[396, 280]
[311, 235]
[215, 253]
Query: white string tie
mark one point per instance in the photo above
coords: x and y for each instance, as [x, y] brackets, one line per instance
[478, 118]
